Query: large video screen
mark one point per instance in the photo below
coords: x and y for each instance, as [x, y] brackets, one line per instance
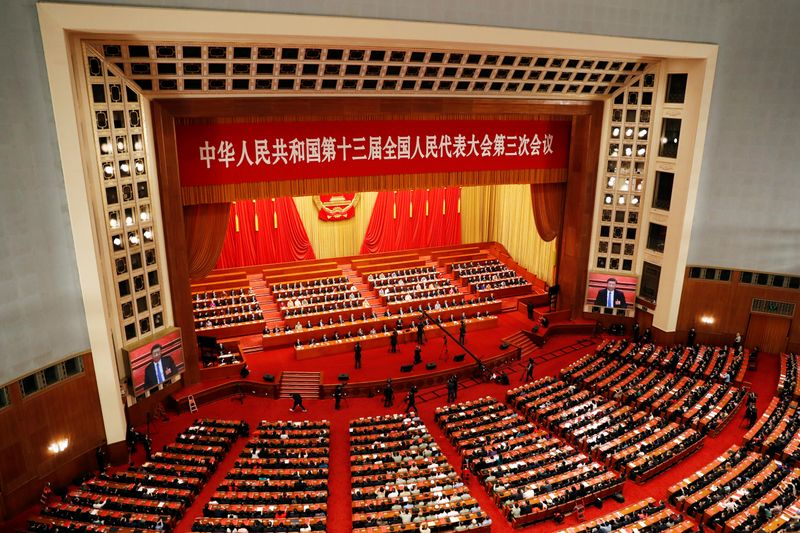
[156, 362]
[611, 294]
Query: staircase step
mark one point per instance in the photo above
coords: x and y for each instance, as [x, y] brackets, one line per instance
[305, 383]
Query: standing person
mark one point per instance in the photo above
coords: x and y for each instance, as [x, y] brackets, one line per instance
[411, 399]
[635, 332]
[751, 414]
[452, 388]
[298, 402]
[357, 354]
[148, 447]
[418, 354]
[337, 396]
[737, 341]
[528, 370]
[690, 338]
[421, 331]
[47, 492]
[388, 394]
[462, 332]
[393, 342]
[102, 462]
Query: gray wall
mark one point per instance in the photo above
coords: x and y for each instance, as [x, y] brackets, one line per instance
[41, 311]
[747, 214]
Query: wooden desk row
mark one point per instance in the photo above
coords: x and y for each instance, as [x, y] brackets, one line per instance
[382, 339]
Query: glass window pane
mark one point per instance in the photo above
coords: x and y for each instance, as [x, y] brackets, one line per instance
[670, 136]
[656, 237]
[676, 88]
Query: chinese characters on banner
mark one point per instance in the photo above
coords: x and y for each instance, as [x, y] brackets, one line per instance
[211, 154]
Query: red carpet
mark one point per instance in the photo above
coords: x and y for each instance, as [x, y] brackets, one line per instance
[339, 517]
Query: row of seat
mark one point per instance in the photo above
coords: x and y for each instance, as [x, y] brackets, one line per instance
[633, 442]
[777, 432]
[617, 371]
[151, 498]
[226, 307]
[488, 275]
[741, 490]
[644, 515]
[278, 483]
[403, 482]
[531, 474]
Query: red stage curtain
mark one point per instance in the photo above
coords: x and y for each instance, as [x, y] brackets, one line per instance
[420, 218]
[548, 208]
[205, 226]
[253, 239]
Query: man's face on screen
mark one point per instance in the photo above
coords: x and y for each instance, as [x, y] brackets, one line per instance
[611, 285]
[155, 353]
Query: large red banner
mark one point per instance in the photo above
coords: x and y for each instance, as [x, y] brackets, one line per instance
[211, 154]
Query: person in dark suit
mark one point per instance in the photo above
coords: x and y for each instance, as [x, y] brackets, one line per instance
[420, 332]
[611, 296]
[528, 371]
[418, 354]
[357, 354]
[159, 369]
[337, 395]
[393, 342]
[388, 393]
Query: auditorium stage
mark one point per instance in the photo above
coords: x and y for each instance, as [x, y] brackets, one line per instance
[377, 363]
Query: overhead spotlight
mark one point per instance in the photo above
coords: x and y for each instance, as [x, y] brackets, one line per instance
[148, 234]
[108, 169]
[133, 238]
[640, 152]
[628, 150]
[615, 132]
[117, 241]
[144, 216]
[642, 133]
[664, 140]
[137, 145]
[129, 221]
[628, 132]
[635, 200]
[675, 140]
[706, 319]
[120, 146]
[608, 199]
[139, 166]
[621, 200]
[105, 148]
[124, 167]
[113, 222]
